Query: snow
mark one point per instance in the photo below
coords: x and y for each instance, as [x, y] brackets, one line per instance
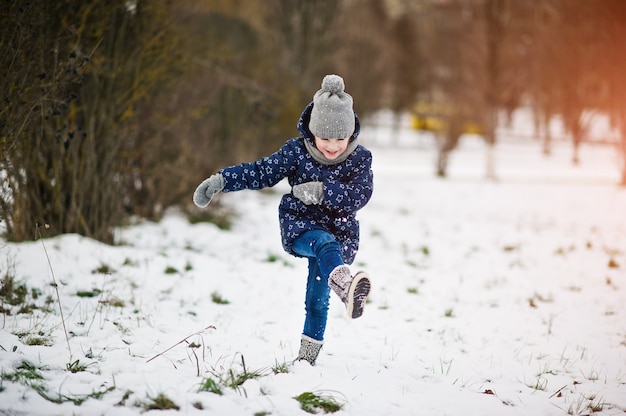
[489, 298]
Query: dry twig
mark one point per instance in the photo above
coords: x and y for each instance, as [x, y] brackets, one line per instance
[181, 341]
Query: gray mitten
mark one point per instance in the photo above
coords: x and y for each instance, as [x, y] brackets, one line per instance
[207, 190]
[309, 192]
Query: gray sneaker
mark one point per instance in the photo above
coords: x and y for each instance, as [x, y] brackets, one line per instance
[352, 291]
[309, 349]
[357, 295]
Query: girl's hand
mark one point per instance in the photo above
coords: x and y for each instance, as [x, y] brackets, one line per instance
[207, 190]
[309, 192]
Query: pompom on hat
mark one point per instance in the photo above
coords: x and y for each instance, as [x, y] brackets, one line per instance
[332, 116]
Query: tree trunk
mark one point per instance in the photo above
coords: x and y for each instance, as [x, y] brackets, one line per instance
[623, 153]
[442, 163]
[490, 168]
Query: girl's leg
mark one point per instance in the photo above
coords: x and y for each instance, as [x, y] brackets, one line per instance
[352, 290]
[326, 270]
[322, 246]
[316, 302]
[324, 254]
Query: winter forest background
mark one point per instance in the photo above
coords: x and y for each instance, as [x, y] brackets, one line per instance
[116, 109]
[495, 237]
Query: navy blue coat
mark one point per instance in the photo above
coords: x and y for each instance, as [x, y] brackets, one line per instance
[348, 186]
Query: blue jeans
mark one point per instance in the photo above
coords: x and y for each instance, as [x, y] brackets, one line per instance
[324, 254]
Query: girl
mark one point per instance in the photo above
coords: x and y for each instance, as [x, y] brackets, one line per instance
[331, 178]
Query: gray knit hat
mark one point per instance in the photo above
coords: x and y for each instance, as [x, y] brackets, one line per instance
[332, 116]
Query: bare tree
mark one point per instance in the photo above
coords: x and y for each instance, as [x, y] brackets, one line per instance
[609, 68]
[574, 51]
[303, 37]
[100, 59]
[466, 40]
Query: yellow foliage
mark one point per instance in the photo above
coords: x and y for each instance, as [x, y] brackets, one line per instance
[431, 116]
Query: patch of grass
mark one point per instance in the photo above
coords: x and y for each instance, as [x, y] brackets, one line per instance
[280, 368]
[129, 262]
[32, 337]
[35, 293]
[539, 298]
[274, 258]
[27, 374]
[586, 405]
[89, 293]
[17, 298]
[103, 269]
[11, 292]
[235, 379]
[126, 396]
[540, 384]
[160, 402]
[75, 367]
[312, 402]
[123, 330]
[217, 298]
[37, 340]
[592, 375]
[171, 270]
[598, 406]
[445, 366]
[211, 386]
[24, 373]
[232, 378]
[113, 301]
[449, 313]
[412, 263]
[217, 215]
[76, 400]
[412, 290]
[27, 308]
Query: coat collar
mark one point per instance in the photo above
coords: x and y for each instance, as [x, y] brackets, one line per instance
[319, 157]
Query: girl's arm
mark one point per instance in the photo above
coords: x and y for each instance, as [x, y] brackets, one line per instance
[263, 173]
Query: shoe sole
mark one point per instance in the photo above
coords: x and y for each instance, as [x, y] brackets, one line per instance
[357, 295]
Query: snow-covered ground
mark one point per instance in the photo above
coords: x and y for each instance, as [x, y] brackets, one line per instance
[489, 298]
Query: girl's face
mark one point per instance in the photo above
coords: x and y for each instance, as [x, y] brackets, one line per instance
[331, 148]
